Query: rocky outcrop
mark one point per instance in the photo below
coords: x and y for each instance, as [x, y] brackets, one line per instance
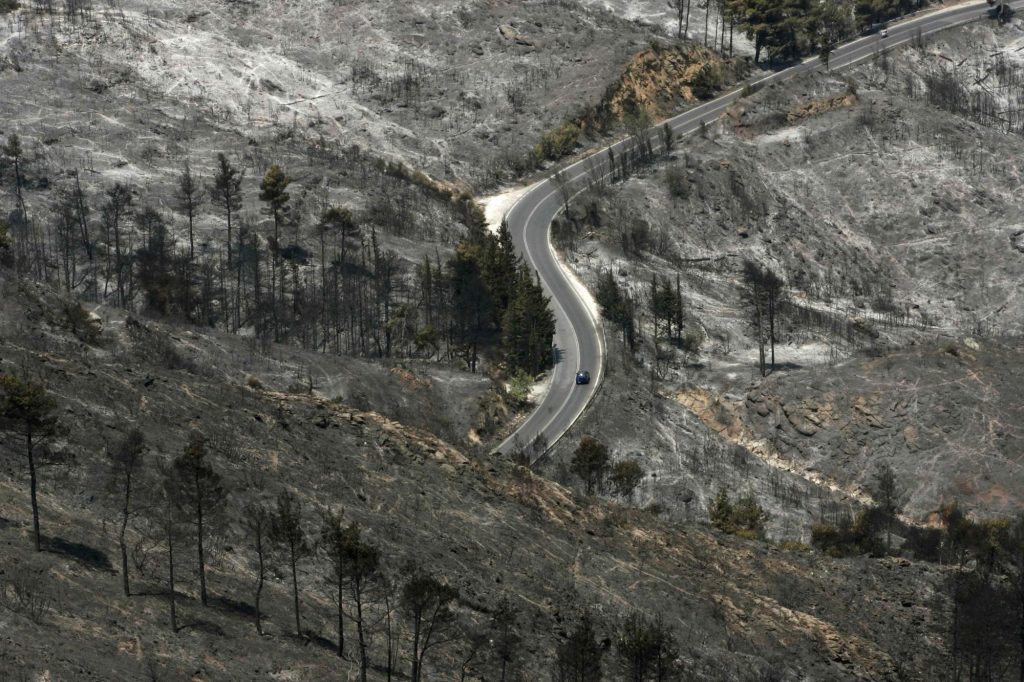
[512, 34]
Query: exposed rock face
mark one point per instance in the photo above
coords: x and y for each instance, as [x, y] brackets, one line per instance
[659, 80]
[955, 407]
[511, 33]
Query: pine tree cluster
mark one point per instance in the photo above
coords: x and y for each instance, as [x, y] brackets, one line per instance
[349, 294]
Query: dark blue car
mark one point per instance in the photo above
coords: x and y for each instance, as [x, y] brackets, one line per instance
[583, 377]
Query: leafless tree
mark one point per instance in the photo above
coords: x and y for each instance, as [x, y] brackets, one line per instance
[287, 532]
[226, 192]
[126, 461]
[332, 542]
[426, 602]
[200, 496]
[256, 519]
[682, 11]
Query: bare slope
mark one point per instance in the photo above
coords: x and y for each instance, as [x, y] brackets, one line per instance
[893, 216]
[454, 89]
[948, 420]
[485, 527]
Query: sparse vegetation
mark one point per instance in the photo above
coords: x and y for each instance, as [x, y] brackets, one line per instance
[27, 411]
[580, 656]
[28, 594]
[287, 532]
[763, 295]
[742, 516]
[849, 537]
[617, 307]
[199, 493]
[5, 242]
[427, 602]
[590, 463]
[257, 523]
[519, 386]
[625, 476]
[647, 649]
[84, 326]
[126, 475]
[557, 143]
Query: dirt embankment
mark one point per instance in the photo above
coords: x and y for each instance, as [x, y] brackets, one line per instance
[659, 80]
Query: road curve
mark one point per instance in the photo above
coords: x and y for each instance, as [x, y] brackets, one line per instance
[579, 340]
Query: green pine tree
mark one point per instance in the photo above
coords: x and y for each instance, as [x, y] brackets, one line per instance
[471, 302]
[528, 327]
[501, 270]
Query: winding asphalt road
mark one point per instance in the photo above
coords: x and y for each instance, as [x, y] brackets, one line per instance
[579, 339]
